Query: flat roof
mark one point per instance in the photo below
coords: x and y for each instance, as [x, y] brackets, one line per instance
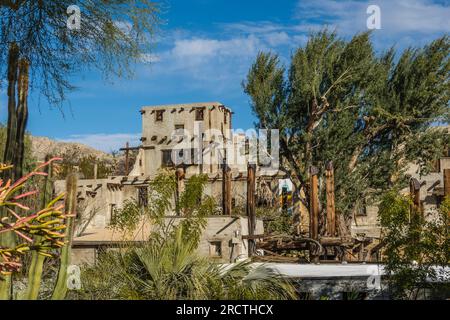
[186, 105]
[338, 270]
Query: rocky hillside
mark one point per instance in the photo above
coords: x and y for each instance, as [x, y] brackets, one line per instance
[41, 146]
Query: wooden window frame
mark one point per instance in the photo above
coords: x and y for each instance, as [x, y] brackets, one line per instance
[159, 115]
[199, 114]
[164, 163]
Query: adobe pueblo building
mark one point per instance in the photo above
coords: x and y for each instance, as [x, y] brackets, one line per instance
[189, 138]
[196, 139]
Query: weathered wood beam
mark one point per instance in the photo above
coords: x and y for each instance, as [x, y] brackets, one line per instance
[331, 210]
[446, 182]
[127, 159]
[314, 204]
[179, 175]
[251, 203]
[226, 188]
[414, 188]
[313, 212]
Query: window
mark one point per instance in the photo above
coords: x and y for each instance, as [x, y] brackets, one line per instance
[199, 114]
[159, 115]
[142, 196]
[167, 158]
[179, 127]
[361, 208]
[225, 117]
[112, 211]
[436, 165]
[215, 249]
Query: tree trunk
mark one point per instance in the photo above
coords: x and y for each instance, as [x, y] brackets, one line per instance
[8, 239]
[22, 117]
[10, 146]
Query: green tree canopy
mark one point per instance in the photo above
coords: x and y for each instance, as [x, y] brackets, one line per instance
[340, 101]
[112, 36]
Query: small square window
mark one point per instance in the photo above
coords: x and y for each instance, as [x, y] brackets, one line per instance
[215, 249]
[159, 115]
[142, 196]
[112, 210]
[167, 158]
[436, 166]
[199, 115]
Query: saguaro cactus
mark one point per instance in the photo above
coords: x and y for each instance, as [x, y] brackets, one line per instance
[60, 290]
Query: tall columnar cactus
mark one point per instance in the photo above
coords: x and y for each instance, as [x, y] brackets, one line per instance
[19, 221]
[60, 289]
[37, 260]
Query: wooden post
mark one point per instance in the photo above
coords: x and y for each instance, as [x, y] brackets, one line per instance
[314, 209]
[127, 150]
[331, 210]
[446, 182]
[251, 203]
[361, 252]
[179, 175]
[95, 171]
[414, 188]
[226, 188]
[314, 204]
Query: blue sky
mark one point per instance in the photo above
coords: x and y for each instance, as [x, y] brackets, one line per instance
[203, 51]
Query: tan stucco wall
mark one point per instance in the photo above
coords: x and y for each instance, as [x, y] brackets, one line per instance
[224, 229]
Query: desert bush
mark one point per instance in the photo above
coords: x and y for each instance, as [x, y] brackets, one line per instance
[416, 250]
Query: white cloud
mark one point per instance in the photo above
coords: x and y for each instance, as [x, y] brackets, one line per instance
[216, 61]
[241, 46]
[211, 63]
[397, 17]
[103, 141]
[252, 27]
[149, 58]
[275, 39]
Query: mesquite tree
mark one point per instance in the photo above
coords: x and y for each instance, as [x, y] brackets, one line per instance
[370, 114]
[42, 46]
[39, 47]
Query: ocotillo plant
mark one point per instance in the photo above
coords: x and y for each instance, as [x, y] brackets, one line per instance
[60, 289]
[47, 224]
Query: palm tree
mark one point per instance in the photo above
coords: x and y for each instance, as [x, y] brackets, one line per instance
[169, 268]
